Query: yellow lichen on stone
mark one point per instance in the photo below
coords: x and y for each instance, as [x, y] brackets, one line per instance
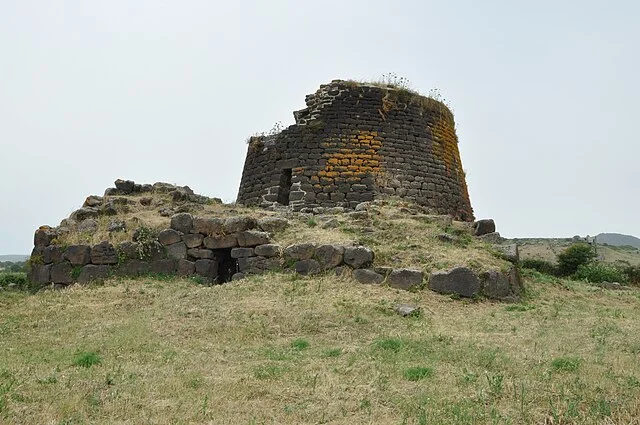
[356, 157]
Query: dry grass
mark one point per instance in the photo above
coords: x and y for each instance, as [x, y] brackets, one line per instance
[285, 349]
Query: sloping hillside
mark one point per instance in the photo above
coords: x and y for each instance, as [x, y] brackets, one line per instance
[617, 239]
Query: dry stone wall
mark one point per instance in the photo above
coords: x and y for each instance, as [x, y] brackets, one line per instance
[355, 142]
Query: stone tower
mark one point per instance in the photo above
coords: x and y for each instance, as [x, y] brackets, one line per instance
[354, 142]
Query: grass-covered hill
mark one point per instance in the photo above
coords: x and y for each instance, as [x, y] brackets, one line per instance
[282, 348]
[286, 348]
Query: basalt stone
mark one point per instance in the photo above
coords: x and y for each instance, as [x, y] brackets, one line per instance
[509, 252]
[239, 224]
[128, 250]
[358, 257]
[166, 266]
[193, 240]
[84, 213]
[493, 238]
[177, 251]
[152, 251]
[258, 265]
[61, 272]
[502, 286]
[182, 222]
[109, 208]
[161, 187]
[299, 251]
[207, 268]
[78, 255]
[200, 253]
[252, 238]
[307, 267]
[208, 226]
[169, 236]
[132, 268]
[112, 191]
[52, 254]
[482, 227]
[406, 310]
[220, 241]
[273, 224]
[238, 276]
[92, 272]
[43, 236]
[242, 252]
[268, 250]
[405, 278]
[459, 280]
[92, 201]
[40, 273]
[89, 226]
[368, 276]
[125, 186]
[104, 253]
[329, 256]
[332, 223]
[186, 267]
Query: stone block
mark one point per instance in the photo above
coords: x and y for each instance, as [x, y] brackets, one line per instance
[186, 267]
[166, 266]
[459, 280]
[61, 272]
[104, 253]
[329, 256]
[242, 252]
[208, 226]
[268, 250]
[52, 254]
[169, 237]
[307, 267]
[273, 224]
[252, 238]
[299, 251]
[177, 251]
[193, 240]
[200, 253]
[220, 241]
[368, 276]
[239, 224]
[358, 257]
[92, 272]
[182, 222]
[405, 278]
[78, 255]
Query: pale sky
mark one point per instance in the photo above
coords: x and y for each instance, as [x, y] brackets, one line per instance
[545, 96]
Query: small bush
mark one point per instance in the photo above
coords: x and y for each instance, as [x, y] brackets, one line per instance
[573, 257]
[87, 359]
[19, 279]
[600, 272]
[417, 373]
[542, 266]
[633, 274]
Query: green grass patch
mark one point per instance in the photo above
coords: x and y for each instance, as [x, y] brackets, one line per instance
[566, 364]
[87, 359]
[417, 373]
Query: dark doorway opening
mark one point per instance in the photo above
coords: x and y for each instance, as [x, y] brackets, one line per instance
[227, 266]
[284, 186]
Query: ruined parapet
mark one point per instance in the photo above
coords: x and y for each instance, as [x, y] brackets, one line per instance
[355, 142]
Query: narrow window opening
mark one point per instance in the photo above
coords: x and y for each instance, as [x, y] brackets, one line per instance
[284, 186]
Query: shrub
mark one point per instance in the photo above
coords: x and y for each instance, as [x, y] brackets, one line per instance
[19, 279]
[633, 274]
[573, 257]
[542, 266]
[599, 272]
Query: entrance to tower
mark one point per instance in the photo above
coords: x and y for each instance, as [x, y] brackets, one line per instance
[284, 186]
